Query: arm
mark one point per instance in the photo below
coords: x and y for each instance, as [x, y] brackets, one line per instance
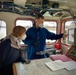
[53, 36]
[23, 58]
[28, 40]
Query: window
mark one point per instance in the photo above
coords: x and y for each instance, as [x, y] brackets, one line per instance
[2, 29]
[25, 23]
[51, 26]
[68, 25]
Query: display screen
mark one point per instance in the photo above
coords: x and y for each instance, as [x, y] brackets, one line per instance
[73, 53]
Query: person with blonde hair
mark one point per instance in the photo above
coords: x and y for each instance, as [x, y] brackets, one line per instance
[10, 51]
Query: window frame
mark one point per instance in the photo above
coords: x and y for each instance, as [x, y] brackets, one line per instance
[63, 29]
[23, 19]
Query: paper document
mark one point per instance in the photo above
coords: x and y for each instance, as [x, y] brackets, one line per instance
[55, 65]
[70, 65]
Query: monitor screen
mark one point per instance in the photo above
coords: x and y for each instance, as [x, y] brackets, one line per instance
[71, 36]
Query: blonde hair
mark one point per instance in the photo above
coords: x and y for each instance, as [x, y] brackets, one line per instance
[18, 31]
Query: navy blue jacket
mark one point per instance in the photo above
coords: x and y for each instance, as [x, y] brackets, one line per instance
[36, 41]
[8, 55]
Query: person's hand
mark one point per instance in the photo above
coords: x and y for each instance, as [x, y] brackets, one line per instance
[26, 61]
[64, 36]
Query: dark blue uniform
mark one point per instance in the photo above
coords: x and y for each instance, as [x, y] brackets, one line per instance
[36, 41]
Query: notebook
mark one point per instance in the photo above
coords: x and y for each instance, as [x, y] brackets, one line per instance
[63, 58]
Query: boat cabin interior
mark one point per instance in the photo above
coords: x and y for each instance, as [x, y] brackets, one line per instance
[60, 17]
